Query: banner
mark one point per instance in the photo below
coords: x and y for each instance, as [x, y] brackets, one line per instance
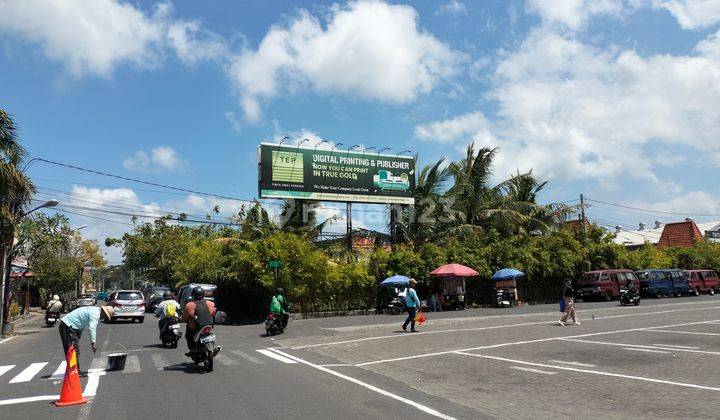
[335, 175]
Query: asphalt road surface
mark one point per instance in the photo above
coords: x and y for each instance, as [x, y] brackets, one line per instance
[658, 360]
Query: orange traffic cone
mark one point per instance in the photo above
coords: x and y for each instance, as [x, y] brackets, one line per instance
[71, 393]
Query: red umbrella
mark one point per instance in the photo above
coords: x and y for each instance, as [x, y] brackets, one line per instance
[456, 270]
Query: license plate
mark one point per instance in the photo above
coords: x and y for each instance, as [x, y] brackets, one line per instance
[51, 319]
[207, 339]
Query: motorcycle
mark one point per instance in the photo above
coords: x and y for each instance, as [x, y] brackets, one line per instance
[275, 324]
[51, 318]
[205, 349]
[170, 334]
[396, 306]
[629, 299]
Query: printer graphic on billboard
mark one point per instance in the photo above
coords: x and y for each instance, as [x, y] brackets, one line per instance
[385, 180]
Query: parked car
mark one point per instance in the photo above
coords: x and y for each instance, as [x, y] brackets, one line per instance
[604, 284]
[655, 283]
[680, 283]
[703, 281]
[85, 299]
[128, 304]
[153, 296]
[184, 294]
[103, 296]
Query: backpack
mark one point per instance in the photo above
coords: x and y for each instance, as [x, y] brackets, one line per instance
[170, 310]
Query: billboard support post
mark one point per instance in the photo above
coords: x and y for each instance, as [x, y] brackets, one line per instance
[348, 217]
[393, 224]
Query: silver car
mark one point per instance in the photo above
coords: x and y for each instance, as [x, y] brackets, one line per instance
[85, 299]
[128, 304]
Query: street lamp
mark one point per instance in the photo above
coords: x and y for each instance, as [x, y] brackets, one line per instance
[4, 290]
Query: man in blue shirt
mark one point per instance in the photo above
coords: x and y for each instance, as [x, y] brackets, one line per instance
[412, 303]
[73, 324]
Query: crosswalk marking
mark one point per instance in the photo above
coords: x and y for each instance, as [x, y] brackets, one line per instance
[275, 356]
[59, 372]
[159, 361]
[4, 369]
[132, 364]
[248, 357]
[98, 363]
[225, 360]
[28, 373]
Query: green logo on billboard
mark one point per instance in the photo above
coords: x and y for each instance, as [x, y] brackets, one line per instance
[385, 180]
[287, 167]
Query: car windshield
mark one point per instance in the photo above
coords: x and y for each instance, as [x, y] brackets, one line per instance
[589, 277]
[85, 296]
[643, 275]
[128, 296]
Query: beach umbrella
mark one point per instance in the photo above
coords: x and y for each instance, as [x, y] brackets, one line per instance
[396, 280]
[454, 270]
[507, 273]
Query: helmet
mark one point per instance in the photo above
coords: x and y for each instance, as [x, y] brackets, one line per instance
[168, 295]
[56, 297]
[198, 293]
[280, 291]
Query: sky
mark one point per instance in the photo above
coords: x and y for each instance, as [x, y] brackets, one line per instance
[614, 99]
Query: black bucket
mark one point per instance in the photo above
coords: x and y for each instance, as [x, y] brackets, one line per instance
[116, 361]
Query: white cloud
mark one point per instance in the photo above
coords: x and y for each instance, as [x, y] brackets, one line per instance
[573, 14]
[96, 36]
[452, 8]
[159, 159]
[233, 120]
[367, 49]
[691, 14]
[571, 110]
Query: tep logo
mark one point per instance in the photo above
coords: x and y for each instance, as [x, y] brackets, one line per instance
[287, 167]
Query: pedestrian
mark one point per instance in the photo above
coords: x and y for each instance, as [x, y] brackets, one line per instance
[73, 324]
[412, 303]
[569, 297]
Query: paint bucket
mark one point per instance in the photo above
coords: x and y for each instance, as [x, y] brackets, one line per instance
[116, 361]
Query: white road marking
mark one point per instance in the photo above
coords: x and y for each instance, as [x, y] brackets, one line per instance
[29, 372]
[681, 332]
[159, 361]
[248, 357]
[373, 388]
[30, 399]
[132, 364]
[6, 368]
[337, 365]
[677, 347]
[540, 340]
[594, 372]
[645, 350]
[272, 355]
[225, 360]
[59, 372]
[98, 363]
[640, 346]
[93, 382]
[493, 327]
[7, 339]
[527, 369]
[565, 362]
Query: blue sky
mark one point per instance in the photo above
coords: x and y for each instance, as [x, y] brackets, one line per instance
[616, 99]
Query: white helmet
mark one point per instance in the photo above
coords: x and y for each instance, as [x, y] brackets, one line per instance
[56, 297]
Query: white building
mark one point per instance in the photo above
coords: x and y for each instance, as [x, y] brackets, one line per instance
[636, 238]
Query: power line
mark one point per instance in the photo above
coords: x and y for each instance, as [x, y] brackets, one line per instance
[654, 211]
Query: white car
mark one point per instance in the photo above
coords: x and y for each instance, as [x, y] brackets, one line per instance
[128, 304]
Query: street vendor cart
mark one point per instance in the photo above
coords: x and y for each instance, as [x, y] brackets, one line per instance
[450, 285]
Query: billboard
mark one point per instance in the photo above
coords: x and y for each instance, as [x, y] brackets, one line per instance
[335, 175]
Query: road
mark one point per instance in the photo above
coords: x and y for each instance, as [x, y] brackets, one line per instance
[655, 360]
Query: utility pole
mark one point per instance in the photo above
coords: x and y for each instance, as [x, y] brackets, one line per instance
[132, 279]
[348, 217]
[583, 221]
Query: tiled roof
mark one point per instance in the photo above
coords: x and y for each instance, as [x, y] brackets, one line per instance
[683, 234]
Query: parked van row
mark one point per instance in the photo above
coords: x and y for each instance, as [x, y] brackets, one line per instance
[657, 283]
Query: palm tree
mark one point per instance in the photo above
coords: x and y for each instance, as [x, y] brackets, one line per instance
[16, 189]
[430, 213]
[300, 216]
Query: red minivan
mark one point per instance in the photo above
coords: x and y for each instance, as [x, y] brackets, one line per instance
[604, 284]
[703, 281]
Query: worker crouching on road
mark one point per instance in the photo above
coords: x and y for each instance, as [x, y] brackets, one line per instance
[73, 324]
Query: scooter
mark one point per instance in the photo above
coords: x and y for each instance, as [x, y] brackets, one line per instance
[170, 334]
[205, 348]
[275, 324]
[51, 318]
[396, 306]
[627, 299]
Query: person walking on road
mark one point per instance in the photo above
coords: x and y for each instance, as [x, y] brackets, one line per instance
[412, 303]
[569, 296]
[73, 324]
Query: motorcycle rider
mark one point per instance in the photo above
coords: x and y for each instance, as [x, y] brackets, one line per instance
[53, 306]
[166, 310]
[198, 313]
[278, 306]
[630, 288]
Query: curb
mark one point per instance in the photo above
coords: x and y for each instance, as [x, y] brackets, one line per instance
[331, 314]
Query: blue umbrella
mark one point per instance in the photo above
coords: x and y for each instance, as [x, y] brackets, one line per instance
[396, 280]
[507, 273]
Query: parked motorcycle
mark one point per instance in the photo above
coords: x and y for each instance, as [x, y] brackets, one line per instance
[629, 298]
[396, 306]
[170, 334]
[51, 318]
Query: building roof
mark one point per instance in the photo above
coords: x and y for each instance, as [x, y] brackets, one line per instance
[634, 238]
[683, 234]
